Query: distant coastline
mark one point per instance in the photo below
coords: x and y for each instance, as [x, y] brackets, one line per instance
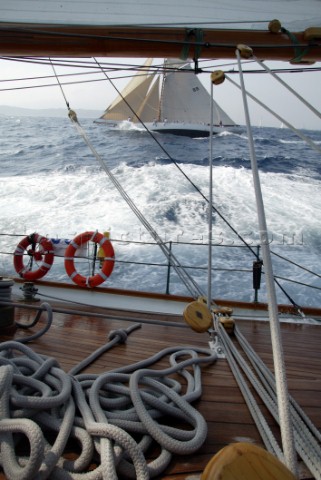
[6, 110]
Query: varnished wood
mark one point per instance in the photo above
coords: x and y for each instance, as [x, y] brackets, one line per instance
[73, 336]
[108, 41]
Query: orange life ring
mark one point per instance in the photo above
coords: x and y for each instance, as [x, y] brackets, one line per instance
[107, 266]
[45, 255]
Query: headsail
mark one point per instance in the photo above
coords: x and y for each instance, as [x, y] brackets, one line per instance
[133, 94]
[149, 109]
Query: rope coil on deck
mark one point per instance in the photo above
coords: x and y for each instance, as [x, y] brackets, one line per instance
[103, 413]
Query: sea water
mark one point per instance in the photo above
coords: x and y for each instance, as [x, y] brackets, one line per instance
[52, 184]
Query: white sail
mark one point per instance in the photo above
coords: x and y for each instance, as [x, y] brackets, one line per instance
[182, 107]
[131, 97]
[186, 100]
[295, 14]
[149, 110]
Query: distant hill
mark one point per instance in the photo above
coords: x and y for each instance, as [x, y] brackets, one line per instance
[46, 112]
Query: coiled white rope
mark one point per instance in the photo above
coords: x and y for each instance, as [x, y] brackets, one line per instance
[113, 417]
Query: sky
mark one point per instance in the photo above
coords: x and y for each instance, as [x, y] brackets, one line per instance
[98, 95]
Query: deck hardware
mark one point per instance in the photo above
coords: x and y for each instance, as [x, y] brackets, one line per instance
[29, 291]
[216, 344]
[198, 316]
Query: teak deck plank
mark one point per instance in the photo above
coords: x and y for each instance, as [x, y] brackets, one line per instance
[72, 337]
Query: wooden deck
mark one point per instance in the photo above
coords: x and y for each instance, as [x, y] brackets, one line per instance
[73, 336]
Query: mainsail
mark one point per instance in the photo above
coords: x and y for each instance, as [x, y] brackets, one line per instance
[185, 99]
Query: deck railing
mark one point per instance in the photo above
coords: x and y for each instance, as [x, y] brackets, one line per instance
[232, 264]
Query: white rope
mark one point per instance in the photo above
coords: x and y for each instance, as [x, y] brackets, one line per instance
[102, 413]
[210, 203]
[307, 437]
[260, 421]
[279, 366]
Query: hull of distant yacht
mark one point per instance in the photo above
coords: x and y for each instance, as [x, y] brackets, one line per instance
[174, 128]
[191, 129]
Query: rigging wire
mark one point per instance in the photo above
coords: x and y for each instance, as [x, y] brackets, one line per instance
[208, 201]
[283, 120]
[296, 264]
[307, 104]
[154, 235]
[60, 86]
[188, 281]
[131, 67]
[181, 170]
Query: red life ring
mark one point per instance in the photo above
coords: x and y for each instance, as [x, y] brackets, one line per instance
[44, 254]
[107, 266]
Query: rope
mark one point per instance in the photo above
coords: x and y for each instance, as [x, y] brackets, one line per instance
[279, 366]
[299, 52]
[103, 413]
[307, 437]
[43, 307]
[210, 202]
[234, 359]
[296, 264]
[118, 336]
[58, 81]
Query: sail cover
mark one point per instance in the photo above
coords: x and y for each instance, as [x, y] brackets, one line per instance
[254, 14]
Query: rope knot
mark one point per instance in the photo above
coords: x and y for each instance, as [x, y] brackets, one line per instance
[121, 333]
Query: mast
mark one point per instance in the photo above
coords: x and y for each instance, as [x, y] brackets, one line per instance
[162, 92]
